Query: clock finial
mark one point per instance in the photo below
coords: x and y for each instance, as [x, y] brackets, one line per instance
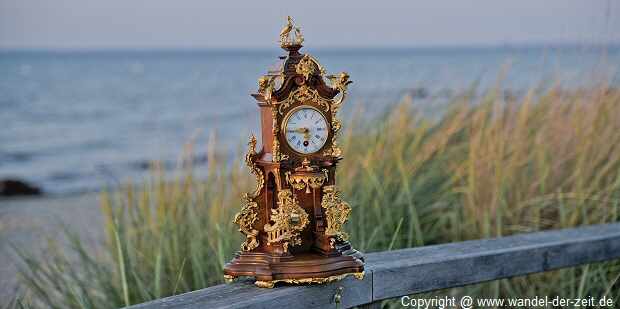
[285, 38]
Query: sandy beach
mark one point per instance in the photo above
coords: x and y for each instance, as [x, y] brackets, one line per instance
[28, 221]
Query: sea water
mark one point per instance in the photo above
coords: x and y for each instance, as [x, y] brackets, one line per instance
[75, 121]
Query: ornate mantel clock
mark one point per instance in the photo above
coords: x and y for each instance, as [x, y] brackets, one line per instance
[293, 220]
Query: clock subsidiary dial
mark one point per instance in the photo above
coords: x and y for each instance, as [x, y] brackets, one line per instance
[305, 130]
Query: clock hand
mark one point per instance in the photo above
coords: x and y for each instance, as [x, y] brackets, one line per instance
[304, 131]
[300, 130]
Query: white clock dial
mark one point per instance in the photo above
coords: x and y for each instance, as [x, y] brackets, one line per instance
[305, 130]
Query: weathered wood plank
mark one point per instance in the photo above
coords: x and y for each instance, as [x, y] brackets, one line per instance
[244, 294]
[410, 271]
[415, 270]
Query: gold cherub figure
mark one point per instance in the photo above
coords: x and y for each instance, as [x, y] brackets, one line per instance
[266, 86]
[341, 83]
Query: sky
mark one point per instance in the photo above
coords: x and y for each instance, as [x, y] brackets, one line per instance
[339, 24]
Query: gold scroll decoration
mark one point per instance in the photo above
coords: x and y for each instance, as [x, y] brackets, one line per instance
[303, 94]
[247, 216]
[289, 219]
[249, 160]
[340, 83]
[245, 221]
[270, 284]
[336, 213]
[305, 67]
[277, 155]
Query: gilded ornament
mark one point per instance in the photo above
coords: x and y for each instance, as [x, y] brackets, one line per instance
[274, 114]
[321, 71]
[307, 176]
[277, 175]
[245, 221]
[340, 83]
[286, 33]
[289, 220]
[270, 284]
[229, 278]
[335, 147]
[254, 170]
[305, 67]
[246, 217]
[303, 94]
[336, 125]
[277, 155]
[298, 36]
[266, 86]
[336, 213]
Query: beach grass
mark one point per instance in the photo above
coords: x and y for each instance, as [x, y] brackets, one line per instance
[485, 166]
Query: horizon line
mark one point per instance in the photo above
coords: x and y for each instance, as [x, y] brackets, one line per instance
[321, 49]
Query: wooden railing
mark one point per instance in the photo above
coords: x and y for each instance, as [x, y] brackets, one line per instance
[410, 271]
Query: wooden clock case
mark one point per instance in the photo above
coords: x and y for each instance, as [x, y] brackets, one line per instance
[293, 220]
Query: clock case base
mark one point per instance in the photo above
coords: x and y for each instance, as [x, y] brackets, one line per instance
[304, 267]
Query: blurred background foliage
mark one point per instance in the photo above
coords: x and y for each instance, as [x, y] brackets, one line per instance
[480, 166]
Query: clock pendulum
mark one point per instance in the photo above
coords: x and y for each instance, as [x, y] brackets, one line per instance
[293, 219]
